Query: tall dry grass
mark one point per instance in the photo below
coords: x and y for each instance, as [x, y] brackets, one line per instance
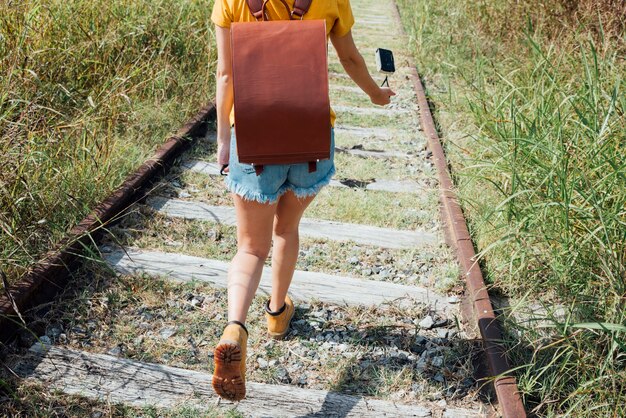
[88, 89]
[531, 104]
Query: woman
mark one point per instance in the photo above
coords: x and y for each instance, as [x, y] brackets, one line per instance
[269, 206]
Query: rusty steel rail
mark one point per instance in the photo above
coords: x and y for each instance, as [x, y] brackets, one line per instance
[459, 238]
[53, 272]
[457, 235]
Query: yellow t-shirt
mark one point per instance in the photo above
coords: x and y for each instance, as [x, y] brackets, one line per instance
[337, 13]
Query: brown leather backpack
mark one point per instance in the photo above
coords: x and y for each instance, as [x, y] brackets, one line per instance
[280, 77]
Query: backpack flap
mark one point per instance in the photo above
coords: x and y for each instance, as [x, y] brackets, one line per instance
[280, 77]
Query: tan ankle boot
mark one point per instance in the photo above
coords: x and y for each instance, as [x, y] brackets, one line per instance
[278, 324]
[229, 358]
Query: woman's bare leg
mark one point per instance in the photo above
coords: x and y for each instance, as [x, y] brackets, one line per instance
[286, 245]
[254, 239]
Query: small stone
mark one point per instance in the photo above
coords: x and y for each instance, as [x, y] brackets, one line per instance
[183, 194]
[78, 330]
[197, 301]
[354, 260]
[302, 380]
[53, 332]
[453, 299]
[42, 344]
[436, 396]
[115, 351]
[366, 272]
[167, 332]
[262, 363]
[96, 414]
[437, 361]
[427, 323]
[443, 332]
[420, 340]
[439, 378]
[421, 365]
[442, 403]
[441, 323]
[417, 388]
[273, 363]
[282, 375]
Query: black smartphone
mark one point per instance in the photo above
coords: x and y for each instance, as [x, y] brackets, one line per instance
[384, 61]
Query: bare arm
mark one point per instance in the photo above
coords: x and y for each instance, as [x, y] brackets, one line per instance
[224, 93]
[355, 66]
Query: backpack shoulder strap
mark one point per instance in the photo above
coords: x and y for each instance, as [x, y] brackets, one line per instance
[300, 7]
[256, 8]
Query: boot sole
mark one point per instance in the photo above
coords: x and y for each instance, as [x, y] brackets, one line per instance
[228, 382]
[281, 335]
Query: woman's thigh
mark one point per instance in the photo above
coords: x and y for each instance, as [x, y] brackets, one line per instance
[254, 225]
[289, 212]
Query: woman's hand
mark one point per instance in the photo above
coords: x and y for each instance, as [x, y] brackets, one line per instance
[382, 96]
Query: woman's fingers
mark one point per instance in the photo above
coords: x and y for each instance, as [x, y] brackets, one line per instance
[383, 96]
[388, 91]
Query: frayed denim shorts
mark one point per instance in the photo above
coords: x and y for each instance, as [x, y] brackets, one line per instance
[277, 179]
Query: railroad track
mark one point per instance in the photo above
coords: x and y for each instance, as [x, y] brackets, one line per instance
[378, 329]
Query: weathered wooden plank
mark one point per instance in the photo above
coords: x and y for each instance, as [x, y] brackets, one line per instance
[372, 111]
[351, 89]
[357, 90]
[381, 133]
[118, 380]
[372, 153]
[306, 285]
[391, 186]
[338, 231]
[334, 74]
[396, 186]
[463, 413]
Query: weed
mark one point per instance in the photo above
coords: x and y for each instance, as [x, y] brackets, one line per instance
[533, 108]
[87, 90]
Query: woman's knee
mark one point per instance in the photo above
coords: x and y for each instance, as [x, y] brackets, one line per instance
[285, 230]
[257, 249]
